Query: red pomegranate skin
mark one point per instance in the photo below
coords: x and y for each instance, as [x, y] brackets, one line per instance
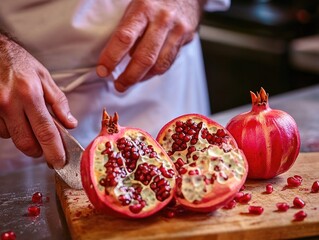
[269, 138]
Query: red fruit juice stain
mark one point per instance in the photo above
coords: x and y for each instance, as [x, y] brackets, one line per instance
[78, 214]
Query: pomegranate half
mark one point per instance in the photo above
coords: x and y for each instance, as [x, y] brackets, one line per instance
[125, 172]
[211, 168]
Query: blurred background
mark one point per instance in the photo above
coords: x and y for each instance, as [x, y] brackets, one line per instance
[260, 43]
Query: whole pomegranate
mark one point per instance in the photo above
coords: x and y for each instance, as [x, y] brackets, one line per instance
[126, 172]
[269, 138]
[211, 167]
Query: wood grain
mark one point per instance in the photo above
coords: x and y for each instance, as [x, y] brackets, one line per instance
[85, 223]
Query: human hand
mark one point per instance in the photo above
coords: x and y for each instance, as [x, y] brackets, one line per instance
[26, 92]
[153, 33]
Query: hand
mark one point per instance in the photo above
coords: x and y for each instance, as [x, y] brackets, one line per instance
[26, 88]
[152, 31]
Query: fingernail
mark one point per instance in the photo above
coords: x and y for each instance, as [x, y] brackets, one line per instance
[50, 165]
[102, 71]
[119, 86]
[71, 118]
[58, 165]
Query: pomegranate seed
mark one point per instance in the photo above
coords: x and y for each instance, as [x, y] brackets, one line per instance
[37, 197]
[221, 133]
[294, 181]
[282, 206]
[242, 188]
[136, 208]
[169, 213]
[300, 216]
[298, 202]
[34, 211]
[238, 196]
[269, 188]
[245, 198]
[230, 204]
[9, 235]
[315, 187]
[257, 210]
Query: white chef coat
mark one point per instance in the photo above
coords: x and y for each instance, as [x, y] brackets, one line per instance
[67, 36]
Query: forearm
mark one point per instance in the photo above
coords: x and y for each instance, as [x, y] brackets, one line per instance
[5, 43]
[209, 5]
[193, 9]
[8, 48]
[3, 40]
[5, 37]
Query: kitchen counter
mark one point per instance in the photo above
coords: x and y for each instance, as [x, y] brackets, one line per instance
[16, 189]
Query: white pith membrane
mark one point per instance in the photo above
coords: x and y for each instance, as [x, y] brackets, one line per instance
[224, 163]
[194, 187]
[128, 181]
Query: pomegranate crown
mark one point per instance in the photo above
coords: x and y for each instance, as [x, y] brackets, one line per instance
[260, 98]
[110, 123]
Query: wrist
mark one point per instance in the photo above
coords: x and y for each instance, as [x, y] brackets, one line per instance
[4, 36]
[7, 40]
[202, 3]
[8, 48]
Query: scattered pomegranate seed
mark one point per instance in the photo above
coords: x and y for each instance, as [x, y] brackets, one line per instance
[230, 204]
[269, 188]
[34, 211]
[282, 206]
[37, 197]
[315, 187]
[245, 198]
[9, 235]
[174, 211]
[298, 177]
[257, 210]
[294, 181]
[169, 213]
[242, 188]
[298, 202]
[238, 196]
[300, 216]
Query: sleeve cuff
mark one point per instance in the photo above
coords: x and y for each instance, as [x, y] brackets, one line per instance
[216, 5]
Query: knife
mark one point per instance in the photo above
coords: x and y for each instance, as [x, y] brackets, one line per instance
[70, 173]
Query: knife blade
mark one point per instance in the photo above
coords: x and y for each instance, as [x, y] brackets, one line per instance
[70, 173]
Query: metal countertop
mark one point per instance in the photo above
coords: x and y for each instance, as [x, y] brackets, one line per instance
[16, 190]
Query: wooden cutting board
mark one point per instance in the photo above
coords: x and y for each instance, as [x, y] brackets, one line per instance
[85, 223]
